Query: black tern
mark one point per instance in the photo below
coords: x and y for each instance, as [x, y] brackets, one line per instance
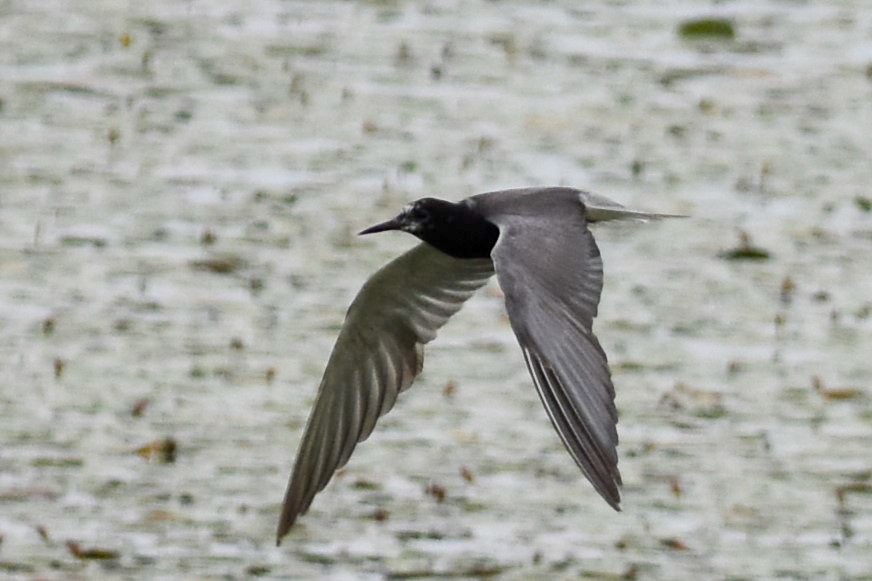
[537, 242]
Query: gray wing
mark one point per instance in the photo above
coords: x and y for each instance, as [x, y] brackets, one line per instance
[378, 354]
[550, 270]
[597, 208]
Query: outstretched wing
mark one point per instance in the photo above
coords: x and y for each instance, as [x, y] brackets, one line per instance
[378, 354]
[551, 273]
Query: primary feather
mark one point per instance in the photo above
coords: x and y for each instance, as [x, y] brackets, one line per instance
[378, 354]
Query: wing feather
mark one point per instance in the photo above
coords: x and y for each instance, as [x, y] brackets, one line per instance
[550, 270]
[377, 355]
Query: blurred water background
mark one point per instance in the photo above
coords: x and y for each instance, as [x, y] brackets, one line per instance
[180, 184]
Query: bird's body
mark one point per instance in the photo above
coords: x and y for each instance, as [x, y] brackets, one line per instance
[537, 242]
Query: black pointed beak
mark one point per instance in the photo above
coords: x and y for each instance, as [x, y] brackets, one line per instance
[392, 224]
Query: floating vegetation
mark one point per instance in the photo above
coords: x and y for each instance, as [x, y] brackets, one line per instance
[853, 488]
[699, 402]
[835, 394]
[788, 287]
[746, 253]
[83, 240]
[159, 515]
[707, 29]
[675, 487]
[674, 543]
[364, 484]
[163, 451]
[208, 237]
[218, 264]
[437, 491]
[13, 567]
[91, 553]
[59, 365]
[477, 569]
[746, 250]
[63, 462]
[258, 570]
[28, 493]
[404, 56]
[139, 407]
[414, 535]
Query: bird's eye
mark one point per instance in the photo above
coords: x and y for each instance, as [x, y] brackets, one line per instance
[419, 214]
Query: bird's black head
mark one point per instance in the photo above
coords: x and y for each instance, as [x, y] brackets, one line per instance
[418, 218]
[455, 229]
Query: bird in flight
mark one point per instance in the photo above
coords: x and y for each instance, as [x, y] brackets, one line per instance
[537, 242]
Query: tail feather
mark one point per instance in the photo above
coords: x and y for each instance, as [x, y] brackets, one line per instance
[601, 209]
[606, 214]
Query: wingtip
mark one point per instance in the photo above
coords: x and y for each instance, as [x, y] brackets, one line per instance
[280, 534]
[285, 525]
[614, 501]
[612, 494]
